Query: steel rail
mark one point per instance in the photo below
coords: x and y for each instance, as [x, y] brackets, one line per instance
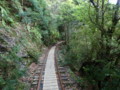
[39, 87]
[57, 70]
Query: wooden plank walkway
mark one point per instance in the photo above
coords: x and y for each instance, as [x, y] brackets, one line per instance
[50, 79]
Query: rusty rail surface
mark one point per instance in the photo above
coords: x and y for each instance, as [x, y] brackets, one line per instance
[56, 64]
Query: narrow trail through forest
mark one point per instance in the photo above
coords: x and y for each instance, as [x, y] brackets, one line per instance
[50, 77]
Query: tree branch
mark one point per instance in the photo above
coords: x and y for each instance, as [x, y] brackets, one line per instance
[95, 23]
[102, 14]
[93, 3]
[115, 18]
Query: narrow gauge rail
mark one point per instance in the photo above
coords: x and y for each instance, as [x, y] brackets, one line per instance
[61, 73]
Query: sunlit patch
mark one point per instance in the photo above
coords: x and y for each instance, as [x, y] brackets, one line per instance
[113, 1]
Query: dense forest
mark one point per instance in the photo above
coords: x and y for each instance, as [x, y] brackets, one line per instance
[90, 29]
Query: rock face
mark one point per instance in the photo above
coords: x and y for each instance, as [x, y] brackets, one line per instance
[16, 47]
[7, 42]
[22, 52]
[18, 38]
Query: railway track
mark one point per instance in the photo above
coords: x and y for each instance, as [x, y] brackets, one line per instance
[66, 82]
[63, 76]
